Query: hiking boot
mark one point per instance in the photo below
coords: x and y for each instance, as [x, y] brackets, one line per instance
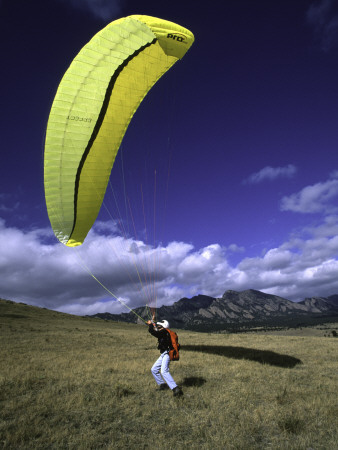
[177, 391]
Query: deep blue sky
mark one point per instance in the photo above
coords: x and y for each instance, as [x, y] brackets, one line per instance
[248, 120]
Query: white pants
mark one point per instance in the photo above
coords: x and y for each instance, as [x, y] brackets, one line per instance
[160, 371]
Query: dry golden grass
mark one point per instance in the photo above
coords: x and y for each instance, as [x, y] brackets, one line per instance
[74, 383]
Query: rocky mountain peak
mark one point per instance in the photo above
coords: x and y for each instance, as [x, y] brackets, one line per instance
[236, 308]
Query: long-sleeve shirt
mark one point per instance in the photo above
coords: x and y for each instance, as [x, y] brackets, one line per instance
[164, 340]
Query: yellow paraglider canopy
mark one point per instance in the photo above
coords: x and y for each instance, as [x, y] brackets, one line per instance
[94, 103]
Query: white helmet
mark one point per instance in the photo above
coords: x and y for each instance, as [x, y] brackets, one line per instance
[164, 324]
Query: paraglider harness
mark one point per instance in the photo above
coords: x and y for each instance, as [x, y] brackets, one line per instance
[174, 351]
[167, 341]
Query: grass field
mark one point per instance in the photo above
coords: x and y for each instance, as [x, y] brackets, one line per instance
[68, 382]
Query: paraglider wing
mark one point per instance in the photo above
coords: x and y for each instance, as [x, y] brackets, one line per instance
[94, 103]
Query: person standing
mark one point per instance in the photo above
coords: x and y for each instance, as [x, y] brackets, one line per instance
[160, 369]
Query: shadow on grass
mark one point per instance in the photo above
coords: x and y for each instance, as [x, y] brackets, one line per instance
[251, 354]
[193, 381]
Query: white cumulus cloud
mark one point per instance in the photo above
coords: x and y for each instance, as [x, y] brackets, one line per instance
[315, 198]
[54, 276]
[271, 173]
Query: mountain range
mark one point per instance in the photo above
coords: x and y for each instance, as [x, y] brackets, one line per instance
[249, 308]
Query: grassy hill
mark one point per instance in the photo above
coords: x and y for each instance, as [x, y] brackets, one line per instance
[78, 383]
